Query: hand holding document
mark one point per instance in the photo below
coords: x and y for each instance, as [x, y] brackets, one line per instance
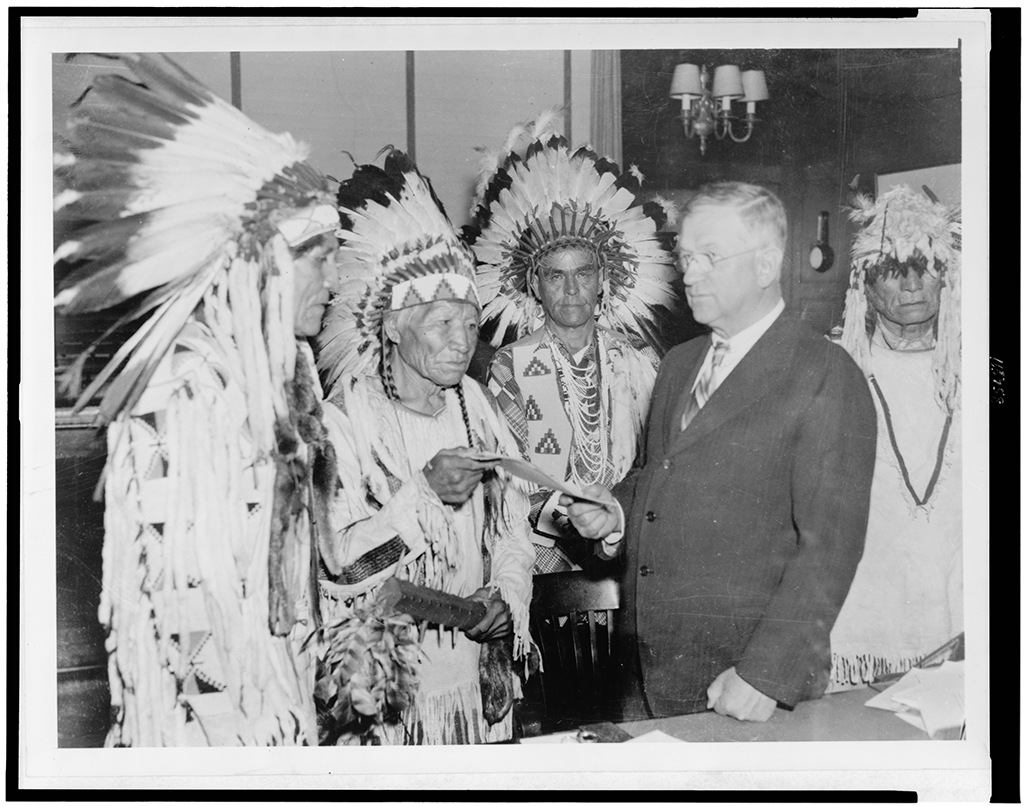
[929, 699]
[531, 473]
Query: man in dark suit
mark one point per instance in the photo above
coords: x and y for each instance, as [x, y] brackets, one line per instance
[745, 520]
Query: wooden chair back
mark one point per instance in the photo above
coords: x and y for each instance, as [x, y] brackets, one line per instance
[572, 620]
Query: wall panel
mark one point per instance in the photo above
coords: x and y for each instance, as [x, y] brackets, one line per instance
[339, 101]
[471, 98]
[580, 111]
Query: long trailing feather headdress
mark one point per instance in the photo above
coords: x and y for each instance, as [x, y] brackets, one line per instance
[175, 200]
[535, 193]
[171, 195]
[905, 231]
[398, 249]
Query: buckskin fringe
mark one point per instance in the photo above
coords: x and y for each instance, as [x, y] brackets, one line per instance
[451, 716]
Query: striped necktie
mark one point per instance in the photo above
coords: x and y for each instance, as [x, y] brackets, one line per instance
[705, 385]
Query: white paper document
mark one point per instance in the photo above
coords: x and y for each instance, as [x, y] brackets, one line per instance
[531, 473]
[654, 736]
[929, 699]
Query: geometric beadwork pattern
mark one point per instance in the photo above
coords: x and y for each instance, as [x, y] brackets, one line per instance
[548, 444]
[536, 367]
[532, 409]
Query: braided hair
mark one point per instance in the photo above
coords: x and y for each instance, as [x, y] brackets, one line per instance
[465, 412]
[387, 375]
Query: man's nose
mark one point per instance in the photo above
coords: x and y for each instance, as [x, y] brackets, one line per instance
[691, 273]
[460, 339]
[330, 272]
[911, 281]
[572, 285]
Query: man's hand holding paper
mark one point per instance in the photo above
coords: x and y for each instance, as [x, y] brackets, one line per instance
[598, 516]
[594, 511]
[453, 474]
[595, 494]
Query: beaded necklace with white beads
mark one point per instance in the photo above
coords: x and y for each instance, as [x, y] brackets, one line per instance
[581, 396]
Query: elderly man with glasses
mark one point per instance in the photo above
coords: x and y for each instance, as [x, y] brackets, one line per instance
[745, 520]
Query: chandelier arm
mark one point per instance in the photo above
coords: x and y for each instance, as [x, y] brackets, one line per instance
[726, 128]
[750, 130]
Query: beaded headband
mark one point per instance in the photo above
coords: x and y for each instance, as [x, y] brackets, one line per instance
[398, 250]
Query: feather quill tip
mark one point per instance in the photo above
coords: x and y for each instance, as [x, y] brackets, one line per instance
[670, 208]
[65, 250]
[549, 122]
[65, 297]
[64, 198]
[70, 383]
[514, 134]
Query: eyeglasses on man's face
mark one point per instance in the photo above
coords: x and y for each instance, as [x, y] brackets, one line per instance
[706, 261]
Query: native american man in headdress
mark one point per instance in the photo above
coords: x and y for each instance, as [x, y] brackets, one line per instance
[222, 236]
[575, 278]
[902, 326]
[421, 498]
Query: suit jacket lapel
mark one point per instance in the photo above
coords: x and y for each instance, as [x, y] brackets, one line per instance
[755, 375]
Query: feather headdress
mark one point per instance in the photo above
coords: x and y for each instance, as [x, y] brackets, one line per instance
[177, 202]
[542, 195]
[905, 231]
[171, 196]
[398, 250]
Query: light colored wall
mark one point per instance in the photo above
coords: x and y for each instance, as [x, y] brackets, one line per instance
[580, 111]
[340, 101]
[355, 101]
[471, 98]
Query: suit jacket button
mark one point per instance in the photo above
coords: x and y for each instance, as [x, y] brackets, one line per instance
[667, 464]
[650, 516]
[644, 570]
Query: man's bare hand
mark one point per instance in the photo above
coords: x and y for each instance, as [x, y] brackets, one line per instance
[453, 475]
[731, 695]
[497, 623]
[593, 521]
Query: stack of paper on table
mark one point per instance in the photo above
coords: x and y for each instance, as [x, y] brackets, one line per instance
[655, 736]
[930, 699]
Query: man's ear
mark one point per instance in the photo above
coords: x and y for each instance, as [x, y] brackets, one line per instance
[390, 331]
[769, 266]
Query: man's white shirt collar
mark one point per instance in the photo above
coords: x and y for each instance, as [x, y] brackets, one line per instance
[740, 344]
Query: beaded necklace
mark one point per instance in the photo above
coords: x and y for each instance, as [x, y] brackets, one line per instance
[581, 395]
